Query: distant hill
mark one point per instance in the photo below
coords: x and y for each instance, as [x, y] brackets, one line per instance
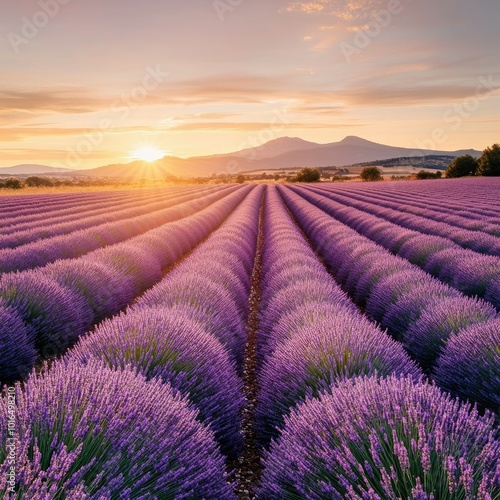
[438, 162]
[285, 152]
[32, 169]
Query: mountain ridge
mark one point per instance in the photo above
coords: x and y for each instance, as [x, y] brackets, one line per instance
[280, 153]
[32, 169]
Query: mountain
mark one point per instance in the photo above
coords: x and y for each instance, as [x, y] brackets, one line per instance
[30, 169]
[274, 148]
[285, 152]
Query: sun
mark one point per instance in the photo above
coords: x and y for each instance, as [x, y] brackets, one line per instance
[148, 154]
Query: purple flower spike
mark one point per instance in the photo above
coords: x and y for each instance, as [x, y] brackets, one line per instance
[338, 347]
[89, 432]
[16, 345]
[387, 438]
[160, 343]
[469, 366]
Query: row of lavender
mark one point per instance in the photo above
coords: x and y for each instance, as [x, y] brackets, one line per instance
[44, 311]
[16, 219]
[467, 271]
[478, 235]
[75, 241]
[436, 324]
[466, 195]
[162, 376]
[474, 212]
[348, 411]
[52, 227]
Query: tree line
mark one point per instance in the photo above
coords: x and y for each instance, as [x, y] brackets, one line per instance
[487, 165]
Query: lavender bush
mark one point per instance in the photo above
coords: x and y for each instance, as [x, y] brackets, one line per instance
[426, 338]
[16, 345]
[338, 347]
[55, 314]
[97, 283]
[469, 366]
[89, 432]
[378, 439]
[160, 343]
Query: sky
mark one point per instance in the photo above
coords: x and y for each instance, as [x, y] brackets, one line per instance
[85, 83]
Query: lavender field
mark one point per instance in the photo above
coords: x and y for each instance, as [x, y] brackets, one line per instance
[290, 341]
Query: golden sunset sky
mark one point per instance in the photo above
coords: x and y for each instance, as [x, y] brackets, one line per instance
[84, 83]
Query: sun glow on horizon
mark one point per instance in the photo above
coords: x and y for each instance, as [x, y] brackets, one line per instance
[147, 154]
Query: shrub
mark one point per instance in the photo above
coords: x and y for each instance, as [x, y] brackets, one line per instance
[214, 306]
[489, 163]
[469, 366]
[426, 338]
[98, 284]
[423, 174]
[462, 166]
[13, 184]
[56, 315]
[338, 347]
[92, 432]
[389, 438]
[369, 174]
[16, 345]
[35, 181]
[134, 264]
[308, 175]
[388, 290]
[159, 343]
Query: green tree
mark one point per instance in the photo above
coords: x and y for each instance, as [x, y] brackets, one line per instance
[35, 181]
[461, 166]
[308, 175]
[240, 179]
[13, 184]
[371, 174]
[489, 163]
[423, 174]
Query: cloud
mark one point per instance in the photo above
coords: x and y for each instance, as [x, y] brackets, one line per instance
[64, 101]
[23, 133]
[344, 10]
[254, 126]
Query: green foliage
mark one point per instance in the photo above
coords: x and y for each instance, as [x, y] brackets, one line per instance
[462, 166]
[489, 163]
[423, 174]
[240, 179]
[371, 174]
[13, 184]
[308, 175]
[35, 181]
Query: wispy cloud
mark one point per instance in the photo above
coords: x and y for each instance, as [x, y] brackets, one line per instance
[344, 10]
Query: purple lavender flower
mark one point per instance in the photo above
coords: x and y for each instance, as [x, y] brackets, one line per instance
[97, 283]
[426, 338]
[160, 343]
[222, 317]
[55, 314]
[16, 345]
[340, 346]
[136, 265]
[376, 438]
[92, 432]
[469, 365]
